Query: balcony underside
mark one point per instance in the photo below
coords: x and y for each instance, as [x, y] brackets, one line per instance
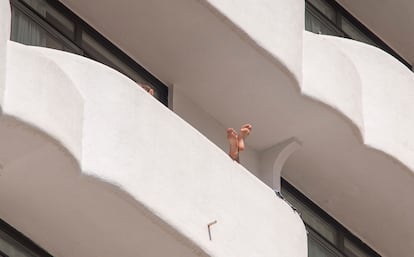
[235, 73]
[104, 169]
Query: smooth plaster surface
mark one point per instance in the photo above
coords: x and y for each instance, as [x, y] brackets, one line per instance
[369, 164]
[203, 51]
[256, 18]
[210, 52]
[228, 62]
[111, 171]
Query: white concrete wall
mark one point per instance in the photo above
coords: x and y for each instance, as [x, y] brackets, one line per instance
[331, 77]
[373, 164]
[276, 26]
[369, 86]
[4, 37]
[56, 97]
[387, 97]
[130, 140]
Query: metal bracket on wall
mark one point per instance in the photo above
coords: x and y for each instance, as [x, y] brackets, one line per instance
[209, 230]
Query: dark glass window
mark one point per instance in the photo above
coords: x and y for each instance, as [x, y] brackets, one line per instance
[31, 30]
[353, 32]
[329, 18]
[15, 244]
[49, 13]
[318, 247]
[326, 237]
[316, 23]
[48, 23]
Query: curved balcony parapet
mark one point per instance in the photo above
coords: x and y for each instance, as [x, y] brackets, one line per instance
[332, 78]
[274, 26]
[369, 86]
[44, 96]
[122, 136]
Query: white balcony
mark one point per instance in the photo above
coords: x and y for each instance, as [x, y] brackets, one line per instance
[332, 115]
[366, 158]
[92, 165]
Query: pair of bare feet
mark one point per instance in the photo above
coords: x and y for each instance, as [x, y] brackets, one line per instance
[148, 89]
[236, 141]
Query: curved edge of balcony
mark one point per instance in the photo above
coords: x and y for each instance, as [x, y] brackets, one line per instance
[122, 136]
[371, 88]
[259, 25]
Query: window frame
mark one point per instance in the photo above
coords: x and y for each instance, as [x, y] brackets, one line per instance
[342, 232]
[39, 20]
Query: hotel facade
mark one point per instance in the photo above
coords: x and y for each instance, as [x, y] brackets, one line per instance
[91, 165]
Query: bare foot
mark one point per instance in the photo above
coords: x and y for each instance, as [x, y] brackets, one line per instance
[148, 89]
[233, 144]
[244, 132]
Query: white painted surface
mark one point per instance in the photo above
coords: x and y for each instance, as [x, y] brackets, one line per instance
[369, 86]
[332, 78]
[220, 66]
[388, 100]
[274, 25]
[4, 37]
[57, 97]
[365, 160]
[136, 146]
[273, 160]
[234, 81]
[44, 195]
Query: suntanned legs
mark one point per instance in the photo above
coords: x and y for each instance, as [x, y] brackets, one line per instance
[236, 141]
[244, 132]
[233, 144]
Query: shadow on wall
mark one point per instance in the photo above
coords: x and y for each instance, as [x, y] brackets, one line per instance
[43, 181]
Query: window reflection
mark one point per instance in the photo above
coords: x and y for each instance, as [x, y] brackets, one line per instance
[316, 24]
[352, 250]
[318, 249]
[26, 31]
[327, 18]
[12, 248]
[41, 23]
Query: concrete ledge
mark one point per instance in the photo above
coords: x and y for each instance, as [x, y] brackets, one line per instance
[369, 86]
[131, 143]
